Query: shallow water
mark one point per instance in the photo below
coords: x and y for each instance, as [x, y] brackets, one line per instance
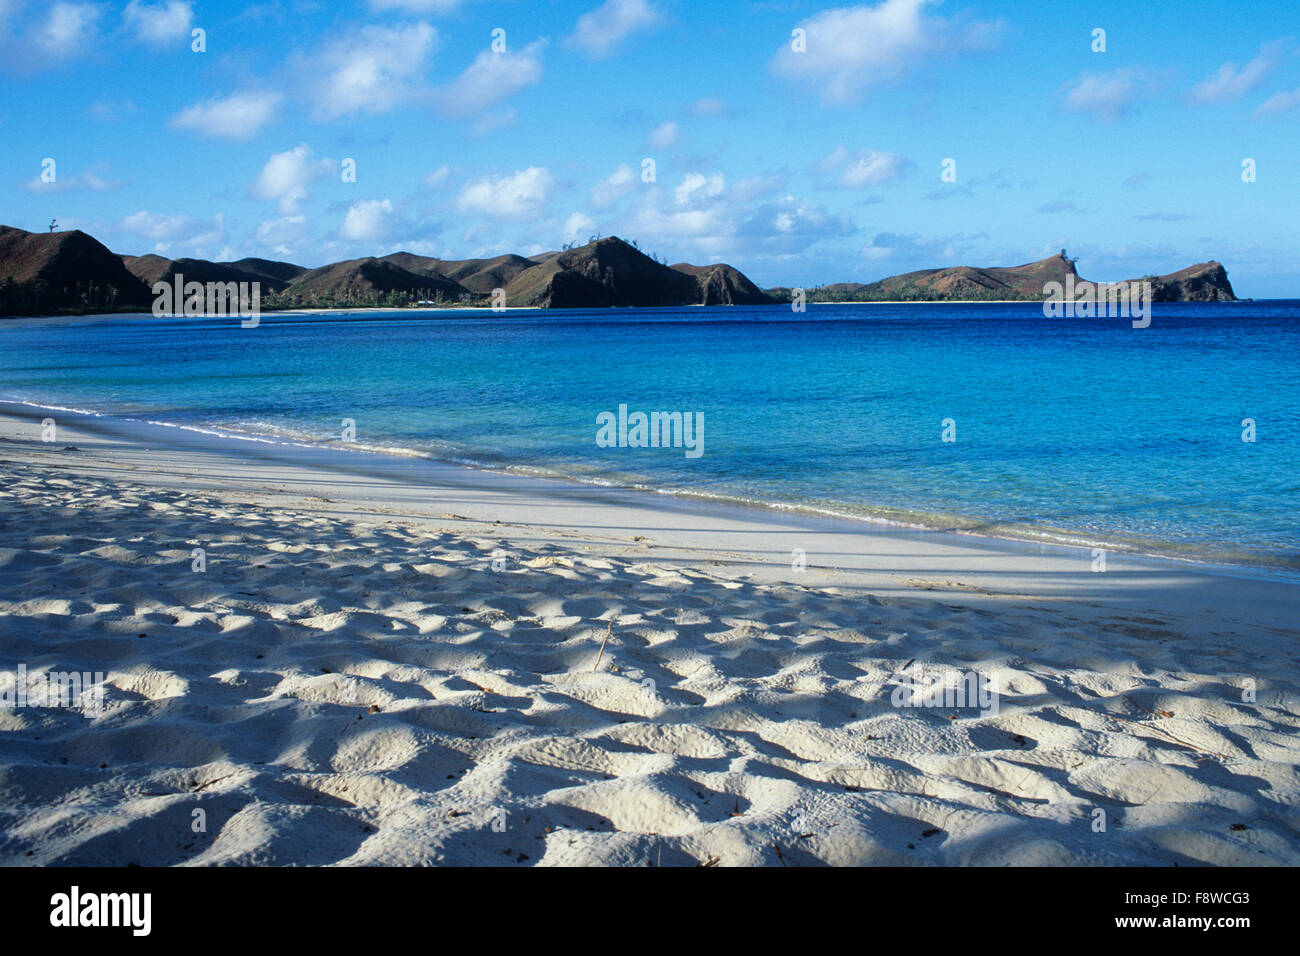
[1085, 430]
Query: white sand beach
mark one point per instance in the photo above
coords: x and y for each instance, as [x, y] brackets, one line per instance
[391, 661]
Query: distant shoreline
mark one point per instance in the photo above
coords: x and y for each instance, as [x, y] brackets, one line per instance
[784, 306]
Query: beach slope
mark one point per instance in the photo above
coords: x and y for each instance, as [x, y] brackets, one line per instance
[325, 657]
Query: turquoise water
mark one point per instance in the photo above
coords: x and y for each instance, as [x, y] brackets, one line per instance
[1083, 430]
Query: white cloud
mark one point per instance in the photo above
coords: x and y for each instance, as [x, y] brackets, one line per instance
[709, 219]
[1278, 103]
[709, 225]
[1106, 95]
[67, 30]
[788, 224]
[664, 135]
[708, 106]
[600, 32]
[757, 187]
[90, 179]
[866, 167]
[371, 70]
[852, 49]
[1231, 82]
[159, 23]
[286, 176]
[912, 248]
[154, 225]
[368, 219]
[613, 187]
[491, 78]
[167, 229]
[437, 177]
[238, 116]
[283, 235]
[414, 6]
[579, 226]
[518, 196]
[696, 187]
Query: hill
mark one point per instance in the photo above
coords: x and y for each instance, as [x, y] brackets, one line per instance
[50, 272]
[1206, 282]
[959, 283]
[722, 284]
[476, 275]
[151, 268]
[484, 275]
[610, 272]
[46, 273]
[368, 281]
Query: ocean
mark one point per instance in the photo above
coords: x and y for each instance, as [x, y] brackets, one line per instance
[1078, 430]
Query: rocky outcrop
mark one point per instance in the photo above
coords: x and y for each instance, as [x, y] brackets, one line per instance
[1204, 282]
[606, 272]
[722, 284]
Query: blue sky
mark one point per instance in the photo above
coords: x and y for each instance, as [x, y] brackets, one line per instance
[797, 167]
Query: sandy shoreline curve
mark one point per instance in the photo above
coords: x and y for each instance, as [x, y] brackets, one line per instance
[389, 660]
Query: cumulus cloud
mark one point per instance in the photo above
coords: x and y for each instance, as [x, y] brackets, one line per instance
[1232, 82]
[491, 78]
[286, 176]
[579, 227]
[866, 167]
[168, 229]
[283, 235]
[159, 23]
[664, 135]
[239, 116]
[368, 219]
[709, 218]
[372, 70]
[602, 31]
[1109, 95]
[613, 187]
[515, 196]
[696, 187]
[38, 36]
[158, 226]
[850, 50]
[67, 30]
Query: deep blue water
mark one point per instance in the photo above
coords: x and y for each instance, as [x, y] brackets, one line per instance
[1083, 429]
